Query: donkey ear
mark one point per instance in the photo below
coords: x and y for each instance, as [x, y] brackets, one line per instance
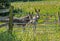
[35, 10]
[39, 10]
[29, 12]
[32, 12]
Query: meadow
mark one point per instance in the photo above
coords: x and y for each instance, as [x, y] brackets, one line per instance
[44, 32]
[46, 7]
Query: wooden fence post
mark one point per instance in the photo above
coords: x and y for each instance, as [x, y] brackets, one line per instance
[59, 18]
[10, 20]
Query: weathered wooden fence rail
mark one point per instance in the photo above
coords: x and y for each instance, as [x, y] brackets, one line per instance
[4, 24]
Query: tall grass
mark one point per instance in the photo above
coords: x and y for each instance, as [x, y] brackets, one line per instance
[43, 33]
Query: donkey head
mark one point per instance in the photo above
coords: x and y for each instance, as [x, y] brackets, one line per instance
[37, 10]
[37, 13]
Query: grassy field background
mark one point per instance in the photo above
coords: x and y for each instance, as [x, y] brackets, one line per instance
[44, 32]
[46, 7]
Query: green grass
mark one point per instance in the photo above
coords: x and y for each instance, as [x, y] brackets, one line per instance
[43, 33]
[44, 6]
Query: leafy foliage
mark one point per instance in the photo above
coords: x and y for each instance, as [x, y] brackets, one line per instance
[4, 4]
